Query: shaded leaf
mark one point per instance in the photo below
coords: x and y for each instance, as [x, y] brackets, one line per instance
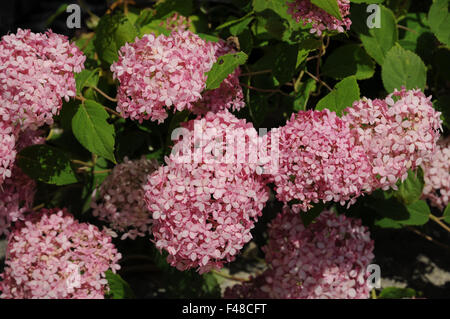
[46, 164]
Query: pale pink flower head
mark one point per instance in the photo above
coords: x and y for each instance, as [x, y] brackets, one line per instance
[318, 161]
[397, 133]
[157, 74]
[36, 72]
[16, 198]
[437, 175]
[327, 259]
[205, 207]
[7, 150]
[17, 191]
[305, 11]
[52, 255]
[120, 199]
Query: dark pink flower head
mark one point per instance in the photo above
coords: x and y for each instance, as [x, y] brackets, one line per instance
[120, 199]
[318, 160]
[304, 10]
[51, 255]
[205, 207]
[328, 259]
[248, 290]
[176, 22]
[160, 73]
[36, 72]
[437, 175]
[397, 133]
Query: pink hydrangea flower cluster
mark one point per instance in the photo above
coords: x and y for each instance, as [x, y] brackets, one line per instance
[229, 94]
[328, 259]
[17, 191]
[36, 72]
[176, 22]
[251, 289]
[120, 199]
[161, 72]
[397, 133]
[318, 161]
[7, 150]
[437, 175]
[205, 207]
[157, 74]
[51, 255]
[16, 198]
[321, 20]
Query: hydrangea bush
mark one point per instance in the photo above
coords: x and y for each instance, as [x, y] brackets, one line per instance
[178, 135]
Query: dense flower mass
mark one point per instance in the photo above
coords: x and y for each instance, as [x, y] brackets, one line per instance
[304, 10]
[16, 198]
[328, 259]
[318, 160]
[17, 191]
[51, 255]
[157, 74]
[36, 72]
[203, 205]
[251, 289]
[7, 150]
[176, 22]
[397, 133]
[161, 72]
[120, 199]
[437, 175]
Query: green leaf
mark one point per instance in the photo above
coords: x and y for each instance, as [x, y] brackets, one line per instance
[86, 78]
[393, 214]
[376, 41]
[367, 1]
[447, 214]
[403, 68]
[343, 96]
[397, 293]
[278, 6]
[118, 288]
[46, 164]
[224, 65]
[237, 24]
[304, 91]
[61, 9]
[387, 223]
[113, 31]
[92, 130]
[419, 213]
[309, 216]
[442, 104]
[411, 189]
[238, 28]
[166, 8]
[330, 6]
[418, 38]
[285, 62]
[349, 60]
[439, 21]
